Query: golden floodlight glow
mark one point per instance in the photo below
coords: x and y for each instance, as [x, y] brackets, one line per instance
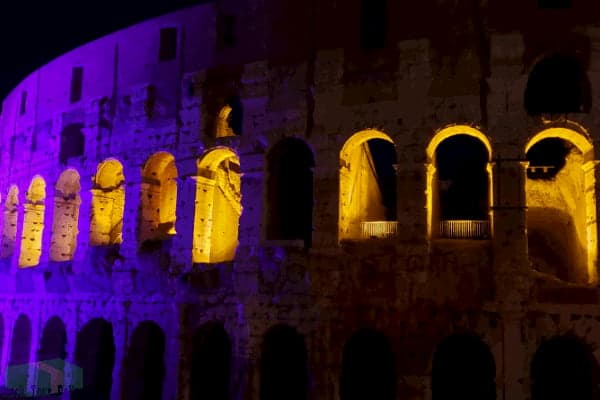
[158, 197]
[33, 223]
[431, 192]
[108, 203]
[218, 206]
[11, 217]
[360, 198]
[222, 127]
[570, 194]
[66, 216]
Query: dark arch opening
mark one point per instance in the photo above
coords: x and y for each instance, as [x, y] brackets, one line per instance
[564, 368]
[558, 85]
[547, 157]
[95, 355]
[290, 191]
[18, 364]
[284, 369]
[211, 363]
[463, 368]
[72, 142]
[383, 154]
[143, 369]
[236, 116]
[368, 367]
[463, 186]
[52, 352]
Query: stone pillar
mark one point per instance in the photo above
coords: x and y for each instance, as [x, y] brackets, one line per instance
[515, 371]
[181, 250]
[48, 222]
[252, 187]
[509, 231]
[132, 187]
[591, 188]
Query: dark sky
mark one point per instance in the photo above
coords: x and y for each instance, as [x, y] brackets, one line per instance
[34, 32]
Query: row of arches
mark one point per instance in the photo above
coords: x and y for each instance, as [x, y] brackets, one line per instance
[462, 365]
[459, 198]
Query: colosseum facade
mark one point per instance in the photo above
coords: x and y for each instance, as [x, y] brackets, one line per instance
[308, 200]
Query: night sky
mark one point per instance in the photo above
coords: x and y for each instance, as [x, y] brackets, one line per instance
[35, 32]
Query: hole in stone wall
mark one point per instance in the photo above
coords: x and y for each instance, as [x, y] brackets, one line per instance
[463, 184]
[95, 355]
[108, 202]
[76, 84]
[368, 367]
[373, 24]
[564, 368]
[558, 85]
[33, 223]
[218, 206]
[11, 218]
[168, 44]
[367, 186]
[557, 210]
[211, 363]
[290, 200]
[66, 216]
[158, 199]
[230, 119]
[72, 142]
[143, 367]
[283, 367]
[51, 356]
[463, 368]
[18, 364]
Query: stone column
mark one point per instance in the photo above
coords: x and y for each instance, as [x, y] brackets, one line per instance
[182, 242]
[515, 371]
[509, 230]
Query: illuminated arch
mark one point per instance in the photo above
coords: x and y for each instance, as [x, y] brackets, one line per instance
[360, 197]
[218, 206]
[454, 130]
[11, 218]
[574, 186]
[66, 216]
[158, 198]
[108, 203]
[432, 193]
[33, 223]
[569, 135]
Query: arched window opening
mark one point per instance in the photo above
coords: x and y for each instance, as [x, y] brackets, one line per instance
[33, 223]
[461, 185]
[367, 206]
[564, 368]
[284, 368]
[158, 198]
[373, 24]
[95, 355]
[560, 211]
[72, 142]
[290, 166]
[11, 218]
[211, 363]
[218, 206]
[463, 368]
[108, 203]
[368, 367]
[51, 357]
[558, 85]
[230, 118]
[143, 368]
[66, 216]
[18, 363]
